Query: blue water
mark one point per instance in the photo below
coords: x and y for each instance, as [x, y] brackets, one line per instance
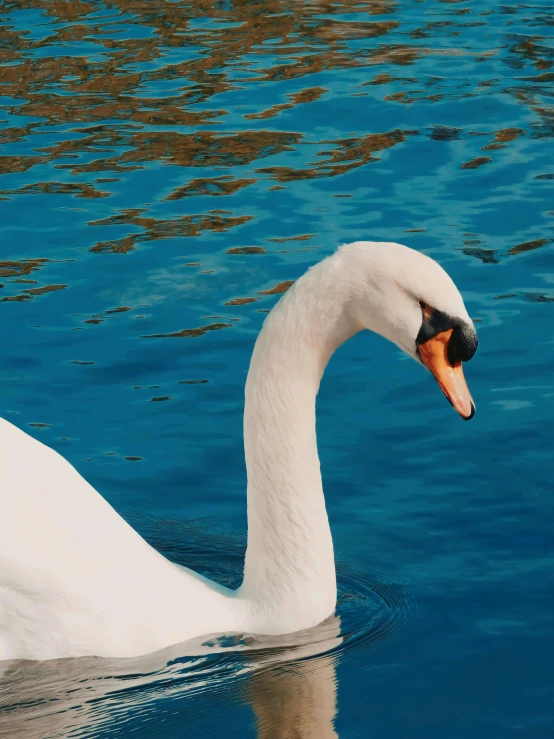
[163, 161]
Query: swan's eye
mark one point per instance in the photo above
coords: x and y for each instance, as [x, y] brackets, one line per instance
[422, 304]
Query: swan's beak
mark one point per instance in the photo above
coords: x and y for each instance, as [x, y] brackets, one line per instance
[450, 377]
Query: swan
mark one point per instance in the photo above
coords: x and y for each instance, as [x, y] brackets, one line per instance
[77, 580]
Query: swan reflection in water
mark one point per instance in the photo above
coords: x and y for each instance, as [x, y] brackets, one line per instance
[296, 701]
[289, 681]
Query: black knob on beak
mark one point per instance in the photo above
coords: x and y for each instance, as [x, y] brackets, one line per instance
[462, 344]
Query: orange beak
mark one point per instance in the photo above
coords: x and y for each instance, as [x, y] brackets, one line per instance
[451, 380]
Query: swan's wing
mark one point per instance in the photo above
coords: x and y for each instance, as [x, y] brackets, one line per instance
[66, 556]
[72, 568]
[53, 523]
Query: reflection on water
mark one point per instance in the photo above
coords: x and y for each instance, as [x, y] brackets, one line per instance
[291, 691]
[112, 88]
[167, 170]
[297, 701]
[93, 89]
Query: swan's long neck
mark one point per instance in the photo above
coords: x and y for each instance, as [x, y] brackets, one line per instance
[289, 577]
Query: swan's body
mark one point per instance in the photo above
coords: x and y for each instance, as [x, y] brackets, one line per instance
[76, 579]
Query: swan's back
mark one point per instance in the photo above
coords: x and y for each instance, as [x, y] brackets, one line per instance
[72, 571]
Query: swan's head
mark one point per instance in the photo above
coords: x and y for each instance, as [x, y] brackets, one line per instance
[409, 299]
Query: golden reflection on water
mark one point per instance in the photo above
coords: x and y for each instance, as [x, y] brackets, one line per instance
[157, 228]
[298, 701]
[131, 98]
[190, 332]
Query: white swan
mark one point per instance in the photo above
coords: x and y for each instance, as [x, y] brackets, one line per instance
[76, 579]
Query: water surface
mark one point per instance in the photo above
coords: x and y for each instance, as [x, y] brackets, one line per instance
[167, 169]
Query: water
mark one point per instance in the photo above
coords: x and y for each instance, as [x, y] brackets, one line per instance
[165, 165]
